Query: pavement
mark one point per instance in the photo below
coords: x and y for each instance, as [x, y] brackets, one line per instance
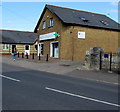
[63, 67]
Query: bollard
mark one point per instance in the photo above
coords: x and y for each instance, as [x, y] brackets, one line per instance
[110, 62]
[22, 55]
[39, 57]
[47, 58]
[27, 55]
[33, 56]
[100, 60]
[18, 54]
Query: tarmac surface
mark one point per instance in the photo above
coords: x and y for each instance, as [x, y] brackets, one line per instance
[27, 89]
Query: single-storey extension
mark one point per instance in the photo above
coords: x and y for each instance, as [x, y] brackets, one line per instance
[25, 42]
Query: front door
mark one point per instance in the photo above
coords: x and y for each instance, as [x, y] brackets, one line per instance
[54, 50]
[13, 48]
[27, 49]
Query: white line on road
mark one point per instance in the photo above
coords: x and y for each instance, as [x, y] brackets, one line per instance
[9, 78]
[100, 81]
[84, 97]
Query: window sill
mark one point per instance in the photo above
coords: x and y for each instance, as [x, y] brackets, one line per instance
[54, 57]
[50, 26]
[5, 49]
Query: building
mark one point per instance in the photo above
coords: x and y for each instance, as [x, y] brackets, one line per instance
[25, 42]
[70, 34]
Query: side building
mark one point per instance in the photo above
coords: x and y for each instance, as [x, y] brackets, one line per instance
[70, 34]
[25, 42]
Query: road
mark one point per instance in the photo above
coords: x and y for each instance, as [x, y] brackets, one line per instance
[25, 89]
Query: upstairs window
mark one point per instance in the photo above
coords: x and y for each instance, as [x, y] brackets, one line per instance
[51, 22]
[5, 47]
[44, 25]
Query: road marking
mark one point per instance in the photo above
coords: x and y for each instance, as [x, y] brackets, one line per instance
[83, 97]
[9, 78]
[99, 81]
[102, 81]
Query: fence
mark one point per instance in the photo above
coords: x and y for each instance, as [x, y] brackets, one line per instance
[110, 61]
[103, 61]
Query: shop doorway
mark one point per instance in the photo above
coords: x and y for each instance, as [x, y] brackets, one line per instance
[54, 50]
[27, 49]
[13, 48]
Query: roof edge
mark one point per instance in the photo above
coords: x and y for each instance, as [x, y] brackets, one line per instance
[97, 27]
[74, 9]
[37, 25]
[17, 31]
[35, 30]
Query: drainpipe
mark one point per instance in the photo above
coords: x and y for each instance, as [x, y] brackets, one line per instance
[37, 43]
[72, 43]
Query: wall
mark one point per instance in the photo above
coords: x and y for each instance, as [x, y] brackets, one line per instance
[72, 48]
[56, 28]
[76, 47]
[20, 48]
[66, 51]
[5, 52]
[32, 49]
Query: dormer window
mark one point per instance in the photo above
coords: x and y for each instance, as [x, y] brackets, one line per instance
[44, 25]
[104, 22]
[51, 22]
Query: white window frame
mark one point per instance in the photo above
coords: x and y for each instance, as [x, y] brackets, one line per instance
[35, 45]
[51, 49]
[39, 49]
[51, 22]
[5, 46]
[44, 25]
[35, 48]
[25, 46]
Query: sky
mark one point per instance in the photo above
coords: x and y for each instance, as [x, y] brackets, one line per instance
[24, 16]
